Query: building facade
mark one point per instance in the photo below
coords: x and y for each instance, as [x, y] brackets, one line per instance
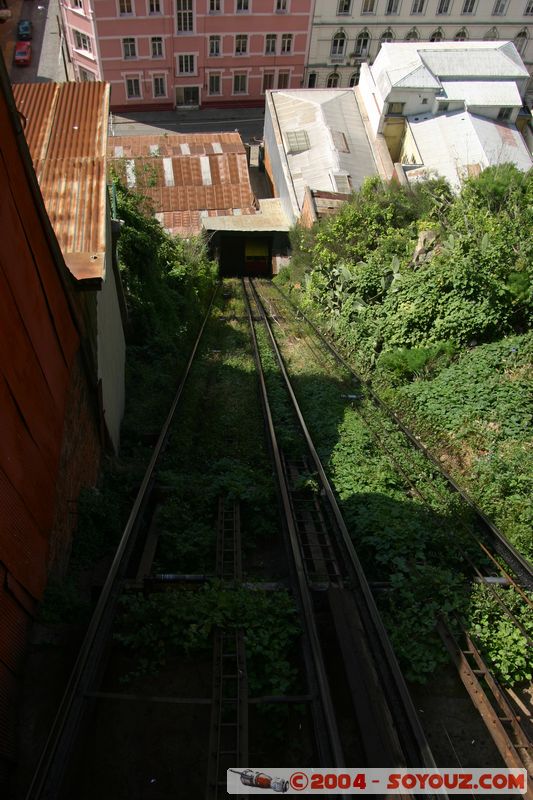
[163, 54]
[348, 33]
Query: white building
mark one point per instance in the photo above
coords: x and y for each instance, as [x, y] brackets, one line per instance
[315, 140]
[447, 108]
[458, 145]
[486, 78]
[347, 33]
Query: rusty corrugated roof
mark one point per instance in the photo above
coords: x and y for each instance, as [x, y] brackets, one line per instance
[66, 129]
[187, 177]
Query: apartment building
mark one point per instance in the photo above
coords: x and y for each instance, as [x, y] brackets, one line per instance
[162, 54]
[348, 33]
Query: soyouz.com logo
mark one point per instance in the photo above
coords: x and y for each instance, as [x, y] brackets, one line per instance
[271, 780]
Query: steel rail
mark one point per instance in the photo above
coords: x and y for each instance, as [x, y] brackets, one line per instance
[50, 771]
[304, 593]
[416, 750]
[395, 462]
[501, 544]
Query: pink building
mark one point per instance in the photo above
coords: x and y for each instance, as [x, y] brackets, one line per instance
[164, 53]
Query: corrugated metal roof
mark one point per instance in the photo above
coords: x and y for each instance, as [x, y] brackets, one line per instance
[324, 115]
[452, 144]
[483, 93]
[486, 62]
[66, 131]
[187, 177]
[397, 62]
[418, 78]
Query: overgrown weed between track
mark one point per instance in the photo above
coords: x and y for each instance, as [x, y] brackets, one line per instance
[420, 549]
[430, 296]
[167, 283]
[217, 449]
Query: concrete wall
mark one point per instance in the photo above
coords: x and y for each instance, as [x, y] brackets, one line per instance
[371, 98]
[111, 349]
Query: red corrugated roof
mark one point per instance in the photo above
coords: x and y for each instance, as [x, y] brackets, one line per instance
[66, 129]
[187, 176]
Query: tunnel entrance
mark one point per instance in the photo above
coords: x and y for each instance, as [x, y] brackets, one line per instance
[244, 255]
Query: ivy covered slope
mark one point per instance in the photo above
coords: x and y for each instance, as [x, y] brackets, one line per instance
[430, 295]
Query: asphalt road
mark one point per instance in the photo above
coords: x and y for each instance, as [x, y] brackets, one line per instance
[250, 126]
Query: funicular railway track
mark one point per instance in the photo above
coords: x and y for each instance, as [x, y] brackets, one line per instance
[387, 727]
[502, 718]
[359, 705]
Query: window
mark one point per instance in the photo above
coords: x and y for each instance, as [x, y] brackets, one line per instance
[159, 87]
[392, 6]
[241, 44]
[155, 8]
[362, 44]
[468, 6]
[443, 7]
[444, 105]
[214, 46]
[157, 47]
[270, 44]
[268, 81]
[418, 6]
[492, 35]
[386, 36]
[412, 35]
[396, 108]
[286, 43]
[77, 4]
[354, 77]
[297, 141]
[86, 75]
[186, 65]
[311, 80]
[520, 41]
[214, 83]
[368, 7]
[83, 42]
[128, 48]
[505, 113]
[184, 18]
[529, 9]
[283, 80]
[125, 7]
[332, 81]
[461, 35]
[500, 7]
[133, 87]
[338, 43]
[242, 6]
[437, 36]
[344, 6]
[281, 6]
[239, 84]
[214, 8]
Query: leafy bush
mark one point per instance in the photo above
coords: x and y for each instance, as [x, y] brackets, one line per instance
[507, 650]
[181, 621]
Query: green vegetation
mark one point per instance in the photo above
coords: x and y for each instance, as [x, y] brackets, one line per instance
[181, 621]
[217, 450]
[167, 284]
[429, 295]
[440, 330]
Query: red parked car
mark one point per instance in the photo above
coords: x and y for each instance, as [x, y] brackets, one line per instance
[22, 54]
